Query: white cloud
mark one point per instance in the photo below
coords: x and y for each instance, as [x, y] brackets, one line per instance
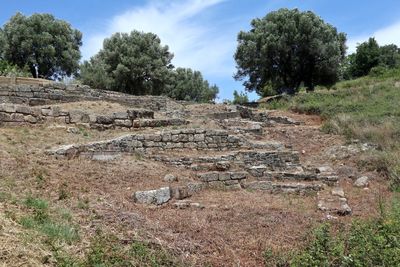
[384, 36]
[196, 43]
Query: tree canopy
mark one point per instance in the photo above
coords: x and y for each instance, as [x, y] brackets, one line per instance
[134, 63]
[370, 55]
[186, 84]
[42, 40]
[288, 48]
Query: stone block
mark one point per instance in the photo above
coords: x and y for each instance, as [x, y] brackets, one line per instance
[17, 117]
[238, 175]
[209, 176]
[224, 176]
[123, 123]
[102, 119]
[30, 119]
[158, 196]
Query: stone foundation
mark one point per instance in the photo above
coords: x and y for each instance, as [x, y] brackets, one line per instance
[53, 93]
[132, 118]
[176, 139]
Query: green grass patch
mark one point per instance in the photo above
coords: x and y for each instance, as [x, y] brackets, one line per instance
[373, 242]
[55, 228]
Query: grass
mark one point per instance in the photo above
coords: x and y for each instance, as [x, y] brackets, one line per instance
[366, 109]
[374, 242]
[106, 250]
[54, 228]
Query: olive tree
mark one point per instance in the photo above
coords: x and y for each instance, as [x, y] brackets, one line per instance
[134, 63]
[288, 48]
[187, 84]
[41, 40]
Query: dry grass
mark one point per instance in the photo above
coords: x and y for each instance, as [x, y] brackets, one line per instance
[233, 229]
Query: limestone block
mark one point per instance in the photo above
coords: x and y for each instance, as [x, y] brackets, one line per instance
[30, 119]
[123, 123]
[17, 117]
[209, 176]
[158, 196]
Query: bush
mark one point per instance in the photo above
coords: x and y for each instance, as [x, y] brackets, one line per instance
[9, 70]
[366, 243]
[239, 98]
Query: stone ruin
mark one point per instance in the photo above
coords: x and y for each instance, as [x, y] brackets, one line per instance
[227, 158]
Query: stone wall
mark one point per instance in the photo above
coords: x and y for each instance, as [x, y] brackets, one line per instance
[275, 158]
[132, 118]
[176, 139]
[35, 95]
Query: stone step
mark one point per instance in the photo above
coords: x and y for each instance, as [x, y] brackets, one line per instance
[285, 187]
[271, 159]
[262, 173]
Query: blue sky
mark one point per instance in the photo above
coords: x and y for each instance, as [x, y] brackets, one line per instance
[202, 33]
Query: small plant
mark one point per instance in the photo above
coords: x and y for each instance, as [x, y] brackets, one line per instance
[63, 192]
[83, 204]
[41, 221]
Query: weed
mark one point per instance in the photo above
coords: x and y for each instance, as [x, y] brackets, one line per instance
[41, 221]
[83, 204]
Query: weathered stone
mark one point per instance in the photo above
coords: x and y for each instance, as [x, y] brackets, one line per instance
[194, 187]
[257, 171]
[158, 196]
[30, 119]
[222, 165]
[261, 185]
[334, 205]
[17, 117]
[170, 178]
[5, 117]
[224, 176]
[338, 191]
[208, 177]
[198, 137]
[123, 123]
[120, 115]
[363, 181]
[181, 192]
[184, 204]
[324, 169]
[73, 130]
[104, 119]
[238, 175]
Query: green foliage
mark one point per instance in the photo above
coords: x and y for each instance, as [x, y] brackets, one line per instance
[8, 70]
[240, 98]
[189, 85]
[287, 48]
[371, 242]
[134, 63]
[44, 40]
[370, 58]
[43, 222]
[367, 243]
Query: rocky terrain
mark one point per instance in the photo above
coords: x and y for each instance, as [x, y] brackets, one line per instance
[212, 183]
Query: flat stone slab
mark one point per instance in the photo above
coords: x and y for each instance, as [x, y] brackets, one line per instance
[157, 196]
[336, 205]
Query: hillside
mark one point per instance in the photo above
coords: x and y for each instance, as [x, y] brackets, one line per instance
[91, 177]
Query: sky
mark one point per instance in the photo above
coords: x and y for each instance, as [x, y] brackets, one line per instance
[202, 33]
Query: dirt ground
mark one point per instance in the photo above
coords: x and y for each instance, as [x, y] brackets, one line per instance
[233, 229]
